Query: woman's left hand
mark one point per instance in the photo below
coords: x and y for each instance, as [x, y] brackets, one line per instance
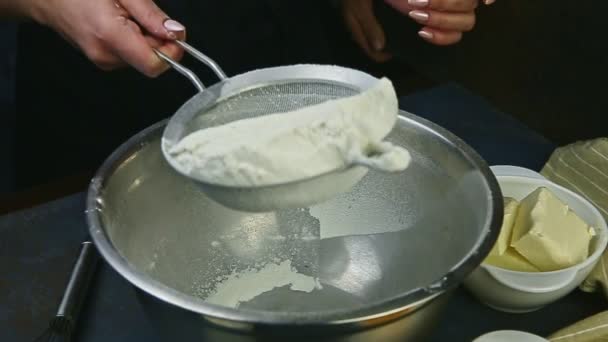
[443, 21]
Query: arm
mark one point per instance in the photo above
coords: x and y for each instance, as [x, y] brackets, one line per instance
[111, 33]
[14, 8]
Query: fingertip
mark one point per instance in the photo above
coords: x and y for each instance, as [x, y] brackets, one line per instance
[173, 25]
[372, 31]
[374, 49]
[383, 58]
[378, 44]
[426, 34]
[173, 50]
[378, 38]
[169, 49]
[153, 19]
[175, 30]
[379, 56]
[155, 68]
[356, 32]
[441, 38]
[404, 6]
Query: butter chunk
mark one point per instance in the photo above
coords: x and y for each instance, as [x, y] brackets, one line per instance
[548, 233]
[511, 260]
[504, 238]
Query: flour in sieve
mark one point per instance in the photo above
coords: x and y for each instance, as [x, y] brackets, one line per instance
[244, 286]
[295, 145]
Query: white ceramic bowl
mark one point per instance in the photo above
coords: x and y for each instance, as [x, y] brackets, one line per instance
[513, 291]
[509, 336]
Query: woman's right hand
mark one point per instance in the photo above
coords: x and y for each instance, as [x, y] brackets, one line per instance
[113, 33]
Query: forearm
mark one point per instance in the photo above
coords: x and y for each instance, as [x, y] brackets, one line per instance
[19, 9]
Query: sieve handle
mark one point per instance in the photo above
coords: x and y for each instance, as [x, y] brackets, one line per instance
[189, 73]
[203, 58]
[182, 70]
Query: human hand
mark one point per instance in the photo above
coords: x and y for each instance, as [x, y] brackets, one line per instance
[366, 31]
[444, 22]
[113, 33]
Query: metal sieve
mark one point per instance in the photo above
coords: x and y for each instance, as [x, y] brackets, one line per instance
[257, 93]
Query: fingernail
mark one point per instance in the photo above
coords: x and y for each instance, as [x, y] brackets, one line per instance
[425, 34]
[173, 25]
[418, 3]
[419, 15]
[488, 2]
[378, 45]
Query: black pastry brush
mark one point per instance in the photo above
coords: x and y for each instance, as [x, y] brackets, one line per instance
[62, 326]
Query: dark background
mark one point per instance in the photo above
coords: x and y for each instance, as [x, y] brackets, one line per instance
[542, 62]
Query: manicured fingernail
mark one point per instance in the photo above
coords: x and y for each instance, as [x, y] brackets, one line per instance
[418, 3]
[378, 45]
[488, 2]
[419, 15]
[173, 25]
[425, 34]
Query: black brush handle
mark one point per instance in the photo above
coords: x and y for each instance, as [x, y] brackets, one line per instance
[77, 287]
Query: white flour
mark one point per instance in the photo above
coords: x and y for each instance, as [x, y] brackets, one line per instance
[285, 147]
[244, 286]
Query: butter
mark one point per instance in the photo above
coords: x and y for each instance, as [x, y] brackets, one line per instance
[504, 238]
[511, 260]
[548, 233]
[502, 254]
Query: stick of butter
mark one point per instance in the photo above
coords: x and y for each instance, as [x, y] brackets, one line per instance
[548, 234]
[504, 238]
[502, 255]
[511, 260]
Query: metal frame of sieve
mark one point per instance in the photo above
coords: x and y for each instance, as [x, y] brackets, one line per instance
[262, 92]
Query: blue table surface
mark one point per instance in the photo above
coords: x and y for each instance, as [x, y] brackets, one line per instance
[38, 246]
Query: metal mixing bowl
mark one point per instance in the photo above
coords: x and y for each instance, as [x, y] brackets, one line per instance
[440, 218]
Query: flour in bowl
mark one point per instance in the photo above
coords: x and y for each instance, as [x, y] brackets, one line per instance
[285, 147]
[244, 286]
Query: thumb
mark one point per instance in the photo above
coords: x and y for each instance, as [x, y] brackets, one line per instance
[153, 19]
[374, 34]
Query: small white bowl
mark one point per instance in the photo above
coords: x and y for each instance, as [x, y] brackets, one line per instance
[509, 336]
[519, 292]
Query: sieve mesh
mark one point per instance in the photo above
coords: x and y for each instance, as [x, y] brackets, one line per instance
[270, 98]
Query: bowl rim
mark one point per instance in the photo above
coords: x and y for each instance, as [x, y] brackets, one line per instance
[394, 306]
[601, 232]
